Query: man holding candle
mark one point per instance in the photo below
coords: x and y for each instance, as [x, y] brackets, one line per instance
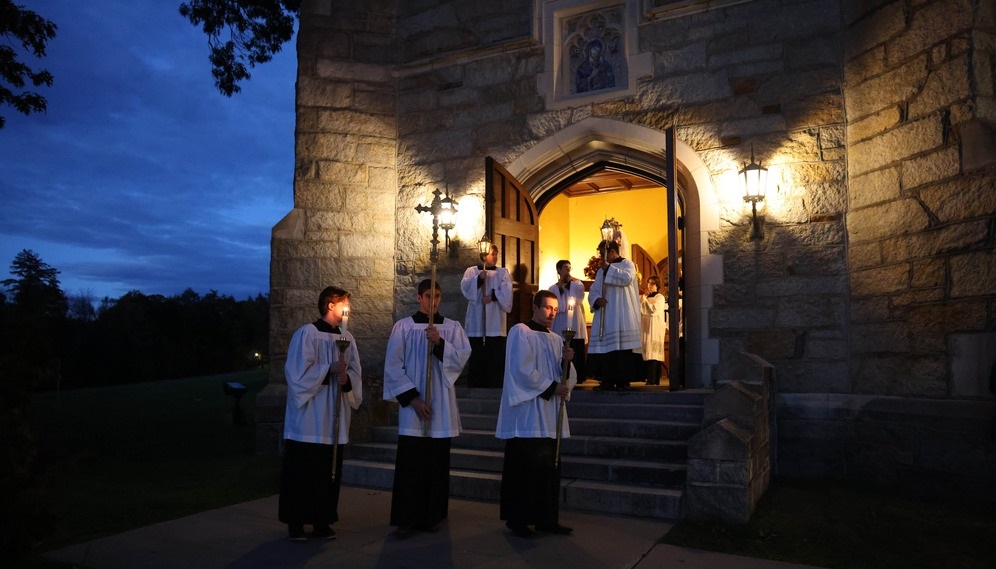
[318, 376]
[488, 290]
[615, 327]
[571, 316]
[426, 425]
[535, 385]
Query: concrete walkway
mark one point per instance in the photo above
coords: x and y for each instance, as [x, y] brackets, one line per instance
[248, 536]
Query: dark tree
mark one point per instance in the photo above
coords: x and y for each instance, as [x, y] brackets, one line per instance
[241, 33]
[19, 25]
[36, 291]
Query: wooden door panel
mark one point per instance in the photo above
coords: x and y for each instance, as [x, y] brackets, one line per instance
[511, 222]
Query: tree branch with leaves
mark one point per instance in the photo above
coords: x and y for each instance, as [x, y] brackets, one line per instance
[20, 26]
[241, 34]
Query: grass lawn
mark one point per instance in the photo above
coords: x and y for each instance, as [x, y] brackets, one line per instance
[850, 525]
[128, 456]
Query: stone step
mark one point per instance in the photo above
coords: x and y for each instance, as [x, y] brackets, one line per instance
[626, 454]
[583, 445]
[580, 495]
[667, 474]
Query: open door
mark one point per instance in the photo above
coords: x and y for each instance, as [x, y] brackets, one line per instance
[645, 264]
[511, 221]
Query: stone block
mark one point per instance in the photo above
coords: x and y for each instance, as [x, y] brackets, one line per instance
[945, 84]
[978, 146]
[723, 440]
[875, 187]
[961, 199]
[880, 280]
[736, 402]
[799, 376]
[901, 375]
[973, 363]
[973, 274]
[810, 312]
[880, 337]
[901, 143]
[728, 503]
[930, 24]
[873, 24]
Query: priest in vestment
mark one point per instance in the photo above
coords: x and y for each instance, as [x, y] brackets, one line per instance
[532, 394]
[488, 290]
[616, 293]
[426, 425]
[319, 380]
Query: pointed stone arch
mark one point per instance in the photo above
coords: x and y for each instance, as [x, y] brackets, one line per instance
[585, 144]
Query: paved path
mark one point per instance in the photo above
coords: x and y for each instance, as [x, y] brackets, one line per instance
[248, 536]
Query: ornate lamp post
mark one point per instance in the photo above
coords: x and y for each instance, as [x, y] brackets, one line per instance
[484, 248]
[607, 232]
[443, 211]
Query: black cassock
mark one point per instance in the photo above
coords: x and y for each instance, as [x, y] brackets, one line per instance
[421, 494]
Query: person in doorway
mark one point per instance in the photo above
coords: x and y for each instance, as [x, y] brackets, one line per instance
[534, 389]
[567, 288]
[320, 381]
[428, 418]
[488, 290]
[653, 309]
[615, 331]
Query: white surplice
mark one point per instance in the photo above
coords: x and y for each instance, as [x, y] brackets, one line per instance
[654, 326]
[310, 405]
[497, 280]
[620, 287]
[575, 290]
[533, 360]
[405, 369]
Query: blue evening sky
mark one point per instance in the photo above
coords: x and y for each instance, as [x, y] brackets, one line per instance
[141, 175]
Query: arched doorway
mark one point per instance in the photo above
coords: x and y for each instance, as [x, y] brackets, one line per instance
[590, 147]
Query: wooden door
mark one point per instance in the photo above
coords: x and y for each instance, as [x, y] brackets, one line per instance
[511, 221]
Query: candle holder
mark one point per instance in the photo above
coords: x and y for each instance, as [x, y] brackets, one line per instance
[343, 344]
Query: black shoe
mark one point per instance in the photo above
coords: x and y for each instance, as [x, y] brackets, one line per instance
[403, 532]
[556, 528]
[324, 532]
[428, 529]
[296, 533]
[520, 530]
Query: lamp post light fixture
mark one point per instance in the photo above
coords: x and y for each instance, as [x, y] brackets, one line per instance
[484, 245]
[443, 212]
[755, 180]
[607, 230]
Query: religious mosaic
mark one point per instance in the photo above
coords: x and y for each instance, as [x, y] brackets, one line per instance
[594, 49]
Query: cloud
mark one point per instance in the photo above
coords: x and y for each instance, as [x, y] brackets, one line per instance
[141, 175]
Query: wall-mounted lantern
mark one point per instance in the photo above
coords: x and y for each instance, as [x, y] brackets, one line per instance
[755, 180]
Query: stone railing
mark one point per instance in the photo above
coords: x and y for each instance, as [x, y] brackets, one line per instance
[731, 460]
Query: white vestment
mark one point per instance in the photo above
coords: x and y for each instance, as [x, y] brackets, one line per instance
[654, 331]
[620, 287]
[533, 360]
[498, 281]
[575, 290]
[405, 369]
[310, 405]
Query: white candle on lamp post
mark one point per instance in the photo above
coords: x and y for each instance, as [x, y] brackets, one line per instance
[570, 313]
[345, 320]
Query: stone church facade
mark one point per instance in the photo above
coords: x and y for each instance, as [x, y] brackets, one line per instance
[872, 291]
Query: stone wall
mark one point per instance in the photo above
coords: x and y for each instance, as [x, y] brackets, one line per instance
[873, 289]
[342, 228]
[920, 234]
